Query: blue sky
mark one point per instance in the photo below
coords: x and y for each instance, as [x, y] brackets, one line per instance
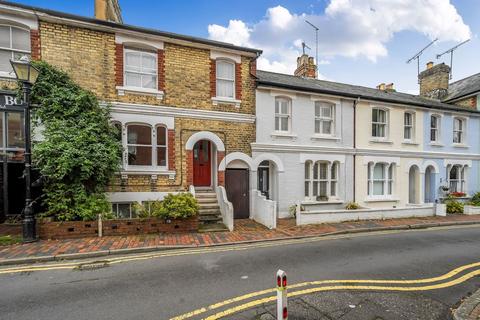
[363, 42]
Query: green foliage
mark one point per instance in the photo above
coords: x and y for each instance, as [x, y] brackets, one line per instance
[9, 239]
[175, 206]
[79, 152]
[475, 201]
[352, 206]
[453, 205]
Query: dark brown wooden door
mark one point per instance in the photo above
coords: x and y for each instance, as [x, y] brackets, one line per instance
[202, 164]
[236, 185]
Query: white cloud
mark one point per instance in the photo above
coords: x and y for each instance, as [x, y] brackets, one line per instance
[349, 28]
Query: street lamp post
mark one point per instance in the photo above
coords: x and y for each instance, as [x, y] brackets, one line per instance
[27, 75]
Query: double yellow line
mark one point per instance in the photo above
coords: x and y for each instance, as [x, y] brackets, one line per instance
[326, 285]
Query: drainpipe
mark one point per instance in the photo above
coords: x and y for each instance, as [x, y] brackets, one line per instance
[355, 146]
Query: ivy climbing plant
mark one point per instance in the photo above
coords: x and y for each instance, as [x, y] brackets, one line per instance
[77, 151]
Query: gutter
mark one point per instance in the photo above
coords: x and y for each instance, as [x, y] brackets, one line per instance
[355, 102]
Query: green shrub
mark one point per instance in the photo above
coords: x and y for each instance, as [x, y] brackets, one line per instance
[176, 206]
[352, 206]
[79, 152]
[454, 206]
[475, 201]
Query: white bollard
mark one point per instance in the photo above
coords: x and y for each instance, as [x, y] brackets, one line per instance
[100, 226]
[282, 308]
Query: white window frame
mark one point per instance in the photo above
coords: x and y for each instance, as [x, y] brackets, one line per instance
[388, 180]
[233, 81]
[409, 127]
[154, 146]
[280, 115]
[141, 72]
[437, 130]
[461, 131]
[320, 119]
[310, 180]
[461, 179]
[10, 74]
[385, 124]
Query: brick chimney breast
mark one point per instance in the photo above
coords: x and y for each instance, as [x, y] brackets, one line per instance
[108, 10]
[306, 67]
[434, 81]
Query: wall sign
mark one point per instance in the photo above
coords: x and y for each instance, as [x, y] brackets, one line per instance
[9, 101]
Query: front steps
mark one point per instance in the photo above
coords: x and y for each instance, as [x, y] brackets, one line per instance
[210, 216]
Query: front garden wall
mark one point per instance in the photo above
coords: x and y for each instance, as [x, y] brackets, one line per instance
[80, 229]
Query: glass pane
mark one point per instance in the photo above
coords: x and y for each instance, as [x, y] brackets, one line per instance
[161, 136]
[407, 133]
[5, 57]
[140, 156]
[284, 124]
[277, 124]
[433, 122]
[323, 188]
[138, 134]
[149, 81]
[133, 61]
[162, 156]
[315, 189]
[390, 172]
[133, 79]
[374, 115]
[378, 188]
[317, 109]
[407, 119]
[308, 166]
[15, 134]
[333, 188]
[315, 171]
[20, 39]
[327, 127]
[1, 129]
[433, 135]
[381, 130]
[454, 173]
[284, 107]
[225, 70]
[4, 36]
[390, 187]
[317, 126]
[327, 112]
[307, 189]
[323, 171]
[381, 116]
[225, 88]
[149, 62]
[123, 210]
[378, 172]
[277, 106]
[333, 174]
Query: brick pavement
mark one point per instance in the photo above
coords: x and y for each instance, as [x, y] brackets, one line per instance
[245, 230]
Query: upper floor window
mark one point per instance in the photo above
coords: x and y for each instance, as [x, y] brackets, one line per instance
[14, 43]
[434, 128]
[379, 123]
[380, 179]
[225, 79]
[324, 118]
[458, 130]
[408, 125]
[282, 114]
[321, 180]
[140, 69]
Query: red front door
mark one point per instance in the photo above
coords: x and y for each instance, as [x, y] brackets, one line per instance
[202, 164]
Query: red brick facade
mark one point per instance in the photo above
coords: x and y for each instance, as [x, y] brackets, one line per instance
[35, 45]
[221, 174]
[171, 149]
[213, 78]
[161, 69]
[119, 64]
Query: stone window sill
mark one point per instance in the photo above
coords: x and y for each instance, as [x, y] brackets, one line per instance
[460, 145]
[141, 91]
[436, 144]
[385, 141]
[148, 172]
[410, 143]
[286, 135]
[7, 75]
[382, 199]
[324, 137]
[221, 100]
[314, 202]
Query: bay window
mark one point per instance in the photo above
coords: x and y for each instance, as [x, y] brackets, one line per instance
[379, 123]
[321, 180]
[146, 146]
[14, 43]
[282, 114]
[161, 146]
[324, 118]
[380, 179]
[140, 69]
[456, 178]
[225, 74]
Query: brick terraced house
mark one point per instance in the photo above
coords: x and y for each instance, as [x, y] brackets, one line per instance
[183, 104]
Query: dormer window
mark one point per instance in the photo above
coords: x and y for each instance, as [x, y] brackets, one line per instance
[14, 43]
[140, 69]
[225, 79]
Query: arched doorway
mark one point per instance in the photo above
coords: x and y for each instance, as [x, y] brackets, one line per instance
[413, 185]
[430, 185]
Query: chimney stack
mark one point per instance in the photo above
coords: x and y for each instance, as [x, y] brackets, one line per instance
[306, 67]
[108, 10]
[434, 81]
[381, 87]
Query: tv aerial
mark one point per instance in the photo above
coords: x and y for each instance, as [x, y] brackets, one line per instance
[316, 39]
[304, 45]
[419, 53]
[451, 55]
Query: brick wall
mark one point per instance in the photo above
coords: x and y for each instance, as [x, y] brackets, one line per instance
[35, 44]
[470, 102]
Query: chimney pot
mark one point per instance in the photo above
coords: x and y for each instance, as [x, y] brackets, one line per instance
[108, 10]
[429, 64]
[381, 86]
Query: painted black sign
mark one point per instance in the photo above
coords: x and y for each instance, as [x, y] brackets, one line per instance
[9, 101]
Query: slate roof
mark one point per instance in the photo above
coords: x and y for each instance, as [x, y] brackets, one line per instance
[463, 87]
[351, 91]
[130, 27]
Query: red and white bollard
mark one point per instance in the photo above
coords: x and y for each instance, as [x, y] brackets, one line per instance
[282, 308]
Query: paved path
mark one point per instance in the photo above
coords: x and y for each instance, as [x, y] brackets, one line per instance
[245, 231]
[167, 284]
